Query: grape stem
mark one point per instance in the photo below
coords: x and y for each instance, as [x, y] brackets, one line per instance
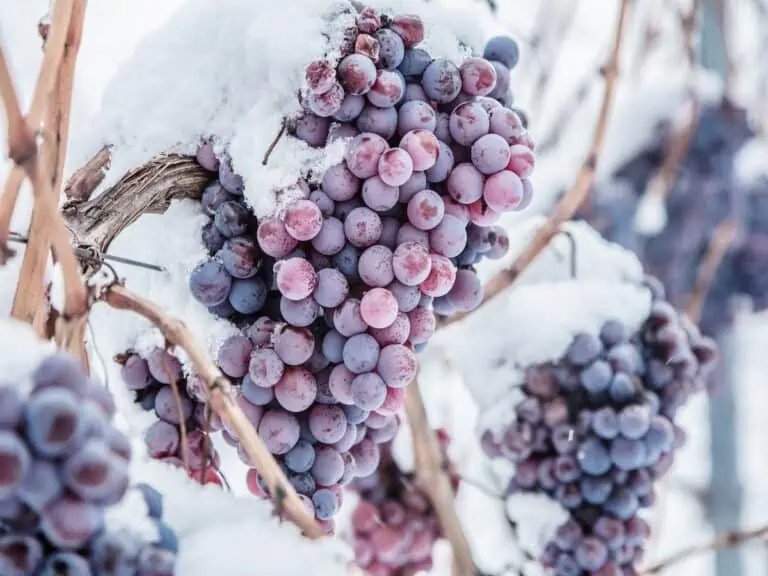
[174, 382]
[221, 400]
[271, 148]
[570, 202]
[44, 168]
[720, 542]
[721, 240]
[432, 480]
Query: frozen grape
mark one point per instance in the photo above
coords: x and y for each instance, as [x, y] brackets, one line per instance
[389, 229]
[478, 76]
[303, 220]
[333, 343]
[70, 523]
[415, 61]
[296, 390]
[347, 318]
[330, 240]
[295, 278]
[313, 129]
[323, 202]
[328, 467]
[228, 179]
[279, 430]
[320, 76]
[465, 183]
[360, 353]
[468, 122]
[367, 457]
[410, 28]
[214, 196]
[135, 373]
[387, 90]
[168, 409]
[378, 308]
[423, 325]
[379, 121]
[441, 277]
[362, 227]
[416, 115]
[231, 218]
[240, 257]
[357, 74]
[443, 166]
[206, 156]
[490, 154]
[507, 124]
[299, 312]
[248, 296]
[95, 474]
[161, 439]
[368, 391]
[502, 49]
[467, 291]
[210, 283]
[441, 80]
[363, 154]
[52, 421]
[521, 160]
[340, 383]
[375, 266]
[416, 183]
[449, 238]
[425, 210]
[274, 239]
[327, 103]
[395, 167]
[339, 183]
[391, 49]
[261, 331]
[328, 424]
[379, 196]
[411, 263]
[422, 146]
[413, 92]
[234, 355]
[407, 297]
[332, 288]
[294, 345]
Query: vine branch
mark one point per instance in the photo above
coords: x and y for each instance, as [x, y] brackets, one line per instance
[570, 202]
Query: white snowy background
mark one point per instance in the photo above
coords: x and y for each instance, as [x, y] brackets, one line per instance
[154, 75]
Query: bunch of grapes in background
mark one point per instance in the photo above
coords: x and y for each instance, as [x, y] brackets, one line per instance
[393, 526]
[62, 464]
[153, 380]
[336, 293]
[596, 429]
[704, 195]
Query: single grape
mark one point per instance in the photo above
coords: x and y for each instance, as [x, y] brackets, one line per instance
[583, 349]
[397, 365]
[441, 277]
[330, 240]
[411, 263]
[441, 80]
[228, 178]
[135, 373]
[319, 76]
[214, 196]
[363, 154]
[507, 124]
[296, 390]
[423, 325]
[362, 227]
[377, 121]
[295, 278]
[300, 313]
[468, 122]
[347, 318]
[248, 296]
[206, 155]
[478, 76]
[213, 240]
[19, 554]
[410, 28]
[634, 421]
[414, 115]
[521, 160]
[53, 423]
[357, 74]
[231, 218]
[274, 239]
[422, 146]
[490, 154]
[387, 90]
[502, 49]
[367, 457]
[323, 202]
[328, 103]
[395, 167]
[303, 219]
[375, 266]
[294, 345]
[70, 523]
[425, 210]
[279, 430]
[465, 184]
[368, 391]
[339, 183]
[351, 107]
[379, 308]
[332, 288]
[594, 458]
[313, 129]
[443, 166]
[379, 196]
[467, 291]
[449, 238]
[414, 184]
[415, 61]
[210, 283]
[240, 256]
[391, 49]
[327, 423]
[261, 331]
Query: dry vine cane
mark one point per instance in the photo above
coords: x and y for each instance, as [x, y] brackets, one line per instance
[571, 201]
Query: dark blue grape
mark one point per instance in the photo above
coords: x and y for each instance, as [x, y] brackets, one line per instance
[583, 349]
[301, 457]
[210, 283]
[232, 218]
[605, 423]
[623, 388]
[326, 503]
[596, 377]
[596, 489]
[622, 504]
[214, 196]
[627, 454]
[502, 49]
[153, 500]
[248, 296]
[594, 457]
[415, 61]
[303, 483]
[213, 240]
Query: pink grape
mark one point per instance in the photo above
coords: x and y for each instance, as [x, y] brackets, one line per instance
[368, 391]
[94, 473]
[407, 297]
[507, 124]
[339, 183]
[465, 183]
[395, 167]
[312, 129]
[161, 439]
[379, 196]
[453, 208]
[234, 354]
[416, 114]
[360, 353]
[350, 108]
[296, 390]
[426, 210]
[467, 291]
[330, 240]
[410, 28]
[332, 288]
[394, 333]
[328, 467]
[468, 122]
[303, 220]
[443, 165]
[367, 457]
[375, 266]
[299, 312]
[362, 227]
[481, 214]
[295, 278]
[411, 263]
[357, 74]
[521, 160]
[347, 318]
[422, 146]
[423, 325]
[274, 239]
[389, 229]
[365, 517]
[326, 104]
[375, 421]
[409, 233]
[387, 90]
[503, 191]
[294, 345]
[380, 121]
[378, 308]
[279, 430]
[416, 183]
[368, 21]
[478, 76]
[393, 403]
[70, 523]
[490, 154]
[261, 331]
[450, 237]
[340, 383]
[397, 365]
[320, 76]
[367, 45]
[363, 154]
[327, 423]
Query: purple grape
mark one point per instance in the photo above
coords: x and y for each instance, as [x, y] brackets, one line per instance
[379, 121]
[294, 345]
[324, 202]
[594, 457]
[379, 308]
[368, 391]
[443, 166]
[228, 179]
[591, 554]
[379, 196]
[167, 408]
[162, 439]
[255, 394]
[413, 92]
[320, 76]
[395, 167]
[467, 291]
[274, 239]
[426, 210]
[210, 283]
[347, 318]
[441, 80]
[295, 278]
[397, 365]
[343, 209]
[332, 288]
[389, 228]
[313, 129]
[213, 240]
[70, 523]
[328, 423]
[214, 196]
[52, 421]
[279, 430]
[234, 355]
[248, 296]
[357, 74]
[300, 313]
[415, 61]
[363, 154]
[375, 266]
[501, 89]
[422, 146]
[387, 90]
[360, 353]
[240, 257]
[465, 184]
[333, 344]
[296, 390]
[507, 124]
[330, 240]
[153, 561]
[490, 154]
[345, 261]
[302, 220]
[441, 277]
[468, 122]
[95, 474]
[391, 49]
[135, 373]
[449, 238]
[634, 421]
[478, 76]
[339, 183]
[596, 489]
[583, 349]
[423, 325]
[231, 218]
[505, 50]
[362, 227]
[328, 467]
[407, 296]
[350, 109]
[327, 103]
[416, 115]
[596, 377]
[206, 156]
[622, 504]
[416, 183]
[15, 461]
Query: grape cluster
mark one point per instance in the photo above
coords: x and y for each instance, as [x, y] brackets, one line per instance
[151, 380]
[704, 194]
[62, 463]
[336, 293]
[393, 526]
[597, 428]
